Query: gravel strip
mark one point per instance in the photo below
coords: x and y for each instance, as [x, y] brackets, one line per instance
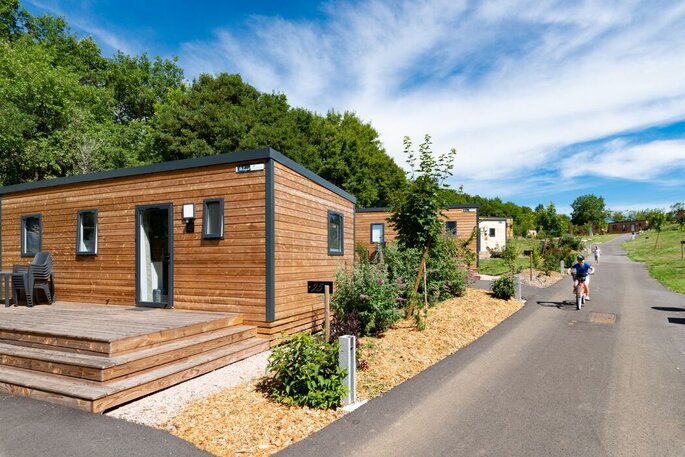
[158, 408]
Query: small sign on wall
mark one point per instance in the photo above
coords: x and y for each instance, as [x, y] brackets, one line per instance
[317, 287]
[249, 167]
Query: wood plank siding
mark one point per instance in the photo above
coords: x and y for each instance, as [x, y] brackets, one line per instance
[465, 216]
[301, 209]
[218, 275]
[275, 235]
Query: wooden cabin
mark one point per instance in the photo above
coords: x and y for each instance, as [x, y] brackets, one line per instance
[372, 226]
[225, 240]
[627, 226]
[240, 232]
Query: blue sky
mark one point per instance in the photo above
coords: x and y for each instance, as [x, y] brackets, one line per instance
[543, 100]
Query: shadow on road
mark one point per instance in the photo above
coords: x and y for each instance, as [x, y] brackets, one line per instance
[677, 320]
[669, 309]
[565, 305]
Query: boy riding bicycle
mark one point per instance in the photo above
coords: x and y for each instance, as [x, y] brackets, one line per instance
[580, 271]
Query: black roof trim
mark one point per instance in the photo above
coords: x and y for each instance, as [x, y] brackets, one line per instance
[496, 219]
[218, 159]
[387, 208]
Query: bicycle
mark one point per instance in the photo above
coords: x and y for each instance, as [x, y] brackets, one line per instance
[579, 290]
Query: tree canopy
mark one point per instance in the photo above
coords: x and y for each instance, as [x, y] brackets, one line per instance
[589, 210]
[65, 109]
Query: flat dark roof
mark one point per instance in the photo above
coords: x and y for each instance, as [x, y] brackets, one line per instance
[387, 208]
[218, 159]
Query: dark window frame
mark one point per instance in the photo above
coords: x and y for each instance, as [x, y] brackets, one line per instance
[449, 231]
[78, 232]
[23, 229]
[492, 232]
[205, 217]
[382, 233]
[331, 250]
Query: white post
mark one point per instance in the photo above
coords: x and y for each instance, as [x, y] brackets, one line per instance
[518, 287]
[347, 360]
[327, 313]
[561, 266]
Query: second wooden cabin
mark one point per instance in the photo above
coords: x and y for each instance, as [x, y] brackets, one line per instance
[373, 228]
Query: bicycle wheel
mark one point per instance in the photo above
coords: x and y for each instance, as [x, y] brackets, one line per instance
[579, 300]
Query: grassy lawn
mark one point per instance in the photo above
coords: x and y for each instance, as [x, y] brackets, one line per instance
[664, 263]
[496, 267]
[599, 238]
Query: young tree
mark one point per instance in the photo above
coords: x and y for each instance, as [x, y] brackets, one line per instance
[678, 214]
[416, 213]
[656, 219]
[589, 209]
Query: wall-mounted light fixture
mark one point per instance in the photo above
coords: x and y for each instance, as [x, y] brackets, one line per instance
[189, 217]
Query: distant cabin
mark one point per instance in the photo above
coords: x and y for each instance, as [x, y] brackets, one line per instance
[241, 232]
[627, 226]
[494, 232]
[373, 228]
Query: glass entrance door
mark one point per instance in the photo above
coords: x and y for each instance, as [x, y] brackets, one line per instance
[154, 255]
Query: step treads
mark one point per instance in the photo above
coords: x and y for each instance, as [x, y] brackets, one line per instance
[102, 362]
[94, 390]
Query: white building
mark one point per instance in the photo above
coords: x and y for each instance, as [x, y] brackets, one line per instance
[493, 233]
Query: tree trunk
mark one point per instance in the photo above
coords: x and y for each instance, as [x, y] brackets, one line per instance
[422, 266]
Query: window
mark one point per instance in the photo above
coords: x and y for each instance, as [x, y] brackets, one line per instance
[335, 233]
[87, 232]
[451, 228]
[213, 219]
[492, 232]
[377, 233]
[31, 235]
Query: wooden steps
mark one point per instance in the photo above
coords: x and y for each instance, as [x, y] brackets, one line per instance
[123, 357]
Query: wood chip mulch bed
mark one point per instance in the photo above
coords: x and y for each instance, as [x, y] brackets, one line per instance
[241, 421]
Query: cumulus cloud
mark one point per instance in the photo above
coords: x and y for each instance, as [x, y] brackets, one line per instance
[639, 162]
[510, 84]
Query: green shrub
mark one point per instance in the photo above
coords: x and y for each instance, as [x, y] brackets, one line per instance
[574, 243]
[504, 288]
[446, 278]
[367, 294]
[304, 372]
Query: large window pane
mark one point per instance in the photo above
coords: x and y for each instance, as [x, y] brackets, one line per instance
[451, 228]
[335, 233]
[377, 233]
[30, 235]
[213, 219]
[87, 235]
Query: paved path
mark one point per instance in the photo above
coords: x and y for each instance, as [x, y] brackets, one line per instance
[550, 381]
[30, 428]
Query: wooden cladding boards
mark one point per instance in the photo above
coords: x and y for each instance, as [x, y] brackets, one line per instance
[466, 219]
[208, 274]
[301, 246]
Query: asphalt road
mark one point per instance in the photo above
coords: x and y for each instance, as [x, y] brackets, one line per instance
[30, 428]
[550, 381]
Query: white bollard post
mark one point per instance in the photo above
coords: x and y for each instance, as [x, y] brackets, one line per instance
[561, 266]
[347, 360]
[518, 287]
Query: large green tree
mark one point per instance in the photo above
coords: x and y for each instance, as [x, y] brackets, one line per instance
[589, 209]
[222, 113]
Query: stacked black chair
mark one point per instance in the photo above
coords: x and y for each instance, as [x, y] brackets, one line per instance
[37, 275]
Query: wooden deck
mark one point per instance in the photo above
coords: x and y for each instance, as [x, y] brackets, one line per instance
[95, 357]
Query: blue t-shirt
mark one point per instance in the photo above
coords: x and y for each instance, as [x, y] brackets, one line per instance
[582, 270]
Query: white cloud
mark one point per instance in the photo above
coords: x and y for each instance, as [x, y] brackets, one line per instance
[507, 83]
[641, 162]
[80, 20]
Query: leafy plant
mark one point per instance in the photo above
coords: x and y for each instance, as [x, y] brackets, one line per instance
[367, 292]
[503, 288]
[305, 372]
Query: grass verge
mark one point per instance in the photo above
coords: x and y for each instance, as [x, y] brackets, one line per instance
[663, 261]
